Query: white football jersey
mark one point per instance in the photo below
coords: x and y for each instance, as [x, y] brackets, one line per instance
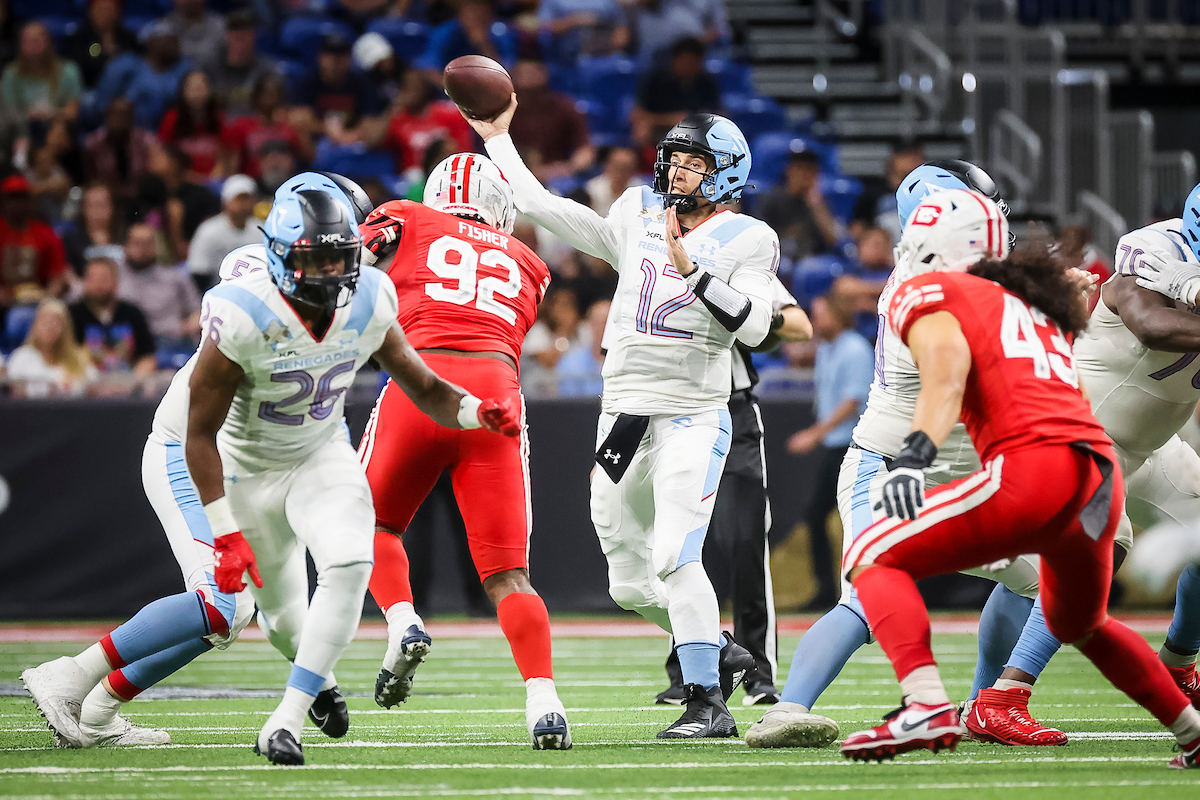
[292, 398]
[170, 418]
[887, 420]
[667, 354]
[1142, 397]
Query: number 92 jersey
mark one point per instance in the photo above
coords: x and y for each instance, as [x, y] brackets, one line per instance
[1022, 390]
[463, 285]
[292, 398]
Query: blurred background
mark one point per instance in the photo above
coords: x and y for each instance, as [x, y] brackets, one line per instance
[142, 140]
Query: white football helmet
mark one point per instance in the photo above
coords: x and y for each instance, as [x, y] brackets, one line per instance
[470, 185]
[950, 231]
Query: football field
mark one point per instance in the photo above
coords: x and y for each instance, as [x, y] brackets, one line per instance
[462, 734]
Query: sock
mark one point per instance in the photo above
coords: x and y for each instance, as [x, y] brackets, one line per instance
[292, 709]
[99, 707]
[133, 679]
[541, 698]
[897, 615]
[162, 624]
[389, 580]
[332, 621]
[401, 616]
[1004, 684]
[526, 625]
[1187, 727]
[1125, 659]
[1183, 637]
[1000, 626]
[94, 663]
[924, 685]
[1036, 646]
[822, 652]
[700, 663]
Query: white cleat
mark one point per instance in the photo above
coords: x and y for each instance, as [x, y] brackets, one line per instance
[400, 663]
[58, 689]
[790, 725]
[545, 716]
[123, 733]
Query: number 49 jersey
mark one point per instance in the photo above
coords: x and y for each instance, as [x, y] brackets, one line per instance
[1022, 390]
[463, 285]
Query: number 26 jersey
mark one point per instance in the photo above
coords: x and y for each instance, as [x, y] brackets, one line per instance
[463, 285]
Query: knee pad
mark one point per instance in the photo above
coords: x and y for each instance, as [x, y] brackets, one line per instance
[631, 597]
[243, 612]
[350, 578]
[283, 629]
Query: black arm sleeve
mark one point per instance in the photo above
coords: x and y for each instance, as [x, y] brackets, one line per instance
[728, 306]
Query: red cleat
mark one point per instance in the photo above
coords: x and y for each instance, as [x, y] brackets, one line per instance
[913, 727]
[1001, 716]
[1187, 680]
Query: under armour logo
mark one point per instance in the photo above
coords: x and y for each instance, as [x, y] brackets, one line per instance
[614, 457]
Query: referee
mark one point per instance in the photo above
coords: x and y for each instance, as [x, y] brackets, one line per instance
[736, 556]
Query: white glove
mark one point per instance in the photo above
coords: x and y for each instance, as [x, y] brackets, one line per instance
[903, 493]
[1175, 279]
[1161, 553]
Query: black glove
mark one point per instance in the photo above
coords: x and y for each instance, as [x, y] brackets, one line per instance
[904, 489]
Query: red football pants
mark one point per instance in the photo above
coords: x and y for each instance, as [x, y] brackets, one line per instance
[404, 452]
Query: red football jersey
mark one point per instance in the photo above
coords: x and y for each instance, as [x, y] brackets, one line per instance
[461, 284]
[1022, 389]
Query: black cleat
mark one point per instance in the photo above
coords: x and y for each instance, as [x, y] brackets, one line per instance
[706, 717]
[736, 664]
[673, 695]
[551, 733]
[760, 693]
[282, 749]
[330, 714]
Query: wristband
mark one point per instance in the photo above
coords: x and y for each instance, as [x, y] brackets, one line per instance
[220, 518]
[918, 453]
[468, 412]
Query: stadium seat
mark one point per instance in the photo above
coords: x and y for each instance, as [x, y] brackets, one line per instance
[300, 37]
[733, 77]
[814, 276]
[608, 79]
[840, 193]
[294, 74]
[353, 161]
[772, 150]
[564, 78]
[407, 37]
[755, 115]
[17, 325]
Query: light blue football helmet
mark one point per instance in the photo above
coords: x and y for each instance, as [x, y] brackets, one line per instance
[950, 173]
[313, 247]
[315, 181]
[717, 138]
[1191, 220]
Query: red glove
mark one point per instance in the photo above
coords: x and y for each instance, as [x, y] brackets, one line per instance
[381, 231]
[499, 416]
[232, 556]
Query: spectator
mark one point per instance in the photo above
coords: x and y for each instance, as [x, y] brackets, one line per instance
[579, 368]
[113, 331]
[165, 294]
[10, 33]
[842, 377]
[557, 329]
[100, 38]
[581, 27]
[659, 24]
[358, 12]
[196, 125]
[171, 203]
[876, 205]
[549, 132]
[245, 138]
[237, 67]
[200, 31]
[338, 102]
[118, 153]
[276, 164]
[155, 82]
[474, 31]
[39, 86]
[32, 264]
[226, 231]
[419, 121]
[620, 172]
[50, 362]
[796, 209]
[49, 181]
[668, 93]
[435, 12]
[437, 152]
[97, 232]
[375, 58]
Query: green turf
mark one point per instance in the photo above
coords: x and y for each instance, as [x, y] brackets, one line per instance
[463, 735]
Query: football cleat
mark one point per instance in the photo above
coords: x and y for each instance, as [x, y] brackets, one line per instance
[673, 695]
[912, 727]
[706, 717]
[58, 689]
[1187, 680]
[330, 714]
[760, 693]
[1188, 758]
[1001, 716]
[551, 732]
[120, 732]
[395, 680]
[790, 725]
[282, 749]
[735, 664]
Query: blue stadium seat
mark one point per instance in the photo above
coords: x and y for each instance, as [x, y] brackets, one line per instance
[300, 37]
[814, 276]
[353, 161]
[771, 152]
[840, 192]
[755, 115]
[408, 38]
[174, 356]
[564, 78]
[17, 325]
[733, 76]
[608, 79]
[294, 74]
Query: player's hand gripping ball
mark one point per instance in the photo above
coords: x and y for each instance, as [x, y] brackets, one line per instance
[232, 556]
[499, 416]
[477, 85]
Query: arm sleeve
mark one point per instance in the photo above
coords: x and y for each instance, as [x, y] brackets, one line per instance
[574, 223]
[754, 279]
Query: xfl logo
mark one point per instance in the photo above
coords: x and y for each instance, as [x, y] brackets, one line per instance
[926, 215]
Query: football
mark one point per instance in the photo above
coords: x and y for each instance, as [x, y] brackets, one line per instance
[478, 85]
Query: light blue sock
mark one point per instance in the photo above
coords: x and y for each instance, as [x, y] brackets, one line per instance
[699, 662]
[145, 672]
[161, 625]
[1000, 627]
[1184, 633]
[1036, 646]
[823, 651]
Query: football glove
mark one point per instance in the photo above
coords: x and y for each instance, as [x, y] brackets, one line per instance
[380, 234]
[1175, 279]
[232, 558]
[499, 416]
[904, 489]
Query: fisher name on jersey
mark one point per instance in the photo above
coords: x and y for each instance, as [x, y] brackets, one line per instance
[1141, 396]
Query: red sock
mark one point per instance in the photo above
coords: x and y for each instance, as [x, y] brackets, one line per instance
[1133, 667]
[389, 579]
[897, 615]
[526, 625]
[121, 685]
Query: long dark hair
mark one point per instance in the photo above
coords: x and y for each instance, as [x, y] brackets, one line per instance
[1041, 280]
[186, 124]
